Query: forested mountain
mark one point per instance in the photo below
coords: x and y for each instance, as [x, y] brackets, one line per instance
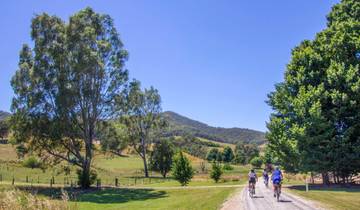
[180, 125]
[4, 115]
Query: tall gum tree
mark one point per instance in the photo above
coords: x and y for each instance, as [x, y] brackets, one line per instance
[66, 85]
[142, 119]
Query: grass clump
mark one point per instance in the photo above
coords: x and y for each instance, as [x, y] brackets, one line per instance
[18, 200]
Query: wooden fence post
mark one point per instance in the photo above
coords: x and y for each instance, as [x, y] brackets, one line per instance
[98, 183]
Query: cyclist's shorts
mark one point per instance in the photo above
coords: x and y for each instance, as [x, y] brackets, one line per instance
[276, 181]
[252, 180]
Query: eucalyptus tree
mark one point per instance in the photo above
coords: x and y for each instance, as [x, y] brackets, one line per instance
[70, 81]
[142, 119]
[316, 121]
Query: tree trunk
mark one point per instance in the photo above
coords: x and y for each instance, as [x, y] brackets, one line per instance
[312, 177]
[145, 167]
[143, 151]
[85, 179]
[325, 178]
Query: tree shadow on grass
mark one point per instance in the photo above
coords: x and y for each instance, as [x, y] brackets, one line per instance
[333, 188]
[94, 195]
[121, 195]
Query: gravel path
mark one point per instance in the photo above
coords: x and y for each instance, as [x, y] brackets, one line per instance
[264, 199]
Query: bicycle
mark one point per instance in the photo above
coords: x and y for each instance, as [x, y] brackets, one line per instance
[252, 190]
[277, 192]
[266, 182]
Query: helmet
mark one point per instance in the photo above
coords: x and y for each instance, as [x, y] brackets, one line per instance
[277, 168]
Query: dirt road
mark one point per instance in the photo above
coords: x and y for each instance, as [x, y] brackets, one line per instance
[264, 200]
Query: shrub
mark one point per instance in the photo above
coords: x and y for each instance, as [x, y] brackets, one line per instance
[32, 162]
[256, 162]
[83, 179]
[227, 167]
[161, 157]
[181, 169]
[213, 154]
[18, 200]
[228, 154]
[216, 171]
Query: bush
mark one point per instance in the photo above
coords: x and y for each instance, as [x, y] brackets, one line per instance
[32, 162]
[161, 157]
[256, 162]
[228, 154]
[227, 167]
[181, 169]
[82, 180]
[216, 171]
[212, 155]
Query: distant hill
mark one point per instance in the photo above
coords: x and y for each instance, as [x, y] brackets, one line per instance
[4, 115]
[180, 125]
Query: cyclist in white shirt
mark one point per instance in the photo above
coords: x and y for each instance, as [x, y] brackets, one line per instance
[252, 178]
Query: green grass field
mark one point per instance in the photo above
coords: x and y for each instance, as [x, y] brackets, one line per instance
[111, 199]
[154, 199]
[332, 197]
[129, 171]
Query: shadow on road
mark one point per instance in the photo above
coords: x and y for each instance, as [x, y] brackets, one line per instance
[258, 196]
[284, 201]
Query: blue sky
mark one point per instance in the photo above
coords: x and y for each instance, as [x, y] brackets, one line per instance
[213, 61]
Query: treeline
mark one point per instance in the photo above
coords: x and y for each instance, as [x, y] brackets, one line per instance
[193, 145]
[315, 126]
[243, 154]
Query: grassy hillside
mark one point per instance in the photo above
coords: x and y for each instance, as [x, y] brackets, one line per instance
[180, 125]
[129, 171]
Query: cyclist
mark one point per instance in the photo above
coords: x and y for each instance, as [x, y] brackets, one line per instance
[252, 179]
[266, 177]
[276, 179]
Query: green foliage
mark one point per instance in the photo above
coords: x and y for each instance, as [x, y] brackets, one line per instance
[113, 137]
[86, 179]
[182, 169]
[4, 128]
[256, 162]
[216, 171]
[31, 162]
[228, 154]
[227, 167]
[316, 121]
[21, 151]
[161, 157]
[67, 84]
[213, 154]
[191, 145]
[142, 119]
[245, 152]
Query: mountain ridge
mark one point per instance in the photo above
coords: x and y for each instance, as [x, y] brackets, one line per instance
[181, 125]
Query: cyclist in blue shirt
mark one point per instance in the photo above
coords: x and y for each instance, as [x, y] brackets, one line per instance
[276, 178]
